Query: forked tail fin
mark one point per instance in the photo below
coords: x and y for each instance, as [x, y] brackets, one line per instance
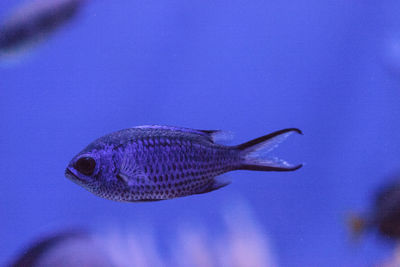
[254, 152]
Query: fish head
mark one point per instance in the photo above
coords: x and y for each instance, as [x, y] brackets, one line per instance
[93, 168]
[96, 169]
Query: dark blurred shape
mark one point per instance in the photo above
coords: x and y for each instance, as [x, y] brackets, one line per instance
[384, 215]
[37, 249]
[67, 248]
[33, 23]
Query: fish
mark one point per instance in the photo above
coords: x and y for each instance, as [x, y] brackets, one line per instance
[153, 162]
[32, 255]
[383, 216]
[69, 247]
[34, 22]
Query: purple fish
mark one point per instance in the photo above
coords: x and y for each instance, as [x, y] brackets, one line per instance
[149, 163]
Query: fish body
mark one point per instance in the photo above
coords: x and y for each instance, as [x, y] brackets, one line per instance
[149, 163]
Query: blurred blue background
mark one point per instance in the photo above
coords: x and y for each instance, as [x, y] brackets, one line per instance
[330, 68]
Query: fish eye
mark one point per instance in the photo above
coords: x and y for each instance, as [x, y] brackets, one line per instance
[85, 165]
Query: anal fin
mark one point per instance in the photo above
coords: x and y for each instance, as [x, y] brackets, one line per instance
[214, 185]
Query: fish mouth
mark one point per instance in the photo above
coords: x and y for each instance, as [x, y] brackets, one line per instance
[69, 174]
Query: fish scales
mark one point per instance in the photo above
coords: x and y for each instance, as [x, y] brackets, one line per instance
[176, 166]
[148, 163]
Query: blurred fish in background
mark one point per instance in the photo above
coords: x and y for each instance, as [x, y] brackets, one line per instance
[384, 215]
[64, 249]
[383, 218]
[34, 22]
[242, 244]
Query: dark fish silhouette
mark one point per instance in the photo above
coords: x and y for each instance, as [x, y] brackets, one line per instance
[148, 163]
[384, 215]
[34, 22]
[65, 249]
[31, 257]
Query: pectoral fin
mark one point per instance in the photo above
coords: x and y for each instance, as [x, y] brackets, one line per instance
[123, 177]
[130, 173]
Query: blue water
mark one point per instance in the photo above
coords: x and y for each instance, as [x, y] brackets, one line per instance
[250, 67]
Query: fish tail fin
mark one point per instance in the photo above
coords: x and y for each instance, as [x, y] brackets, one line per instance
[357, 225]
[255, 152]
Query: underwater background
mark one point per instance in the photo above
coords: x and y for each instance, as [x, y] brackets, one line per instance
[329, 68]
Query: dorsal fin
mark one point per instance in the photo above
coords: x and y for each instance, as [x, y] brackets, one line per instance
[210, 134]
